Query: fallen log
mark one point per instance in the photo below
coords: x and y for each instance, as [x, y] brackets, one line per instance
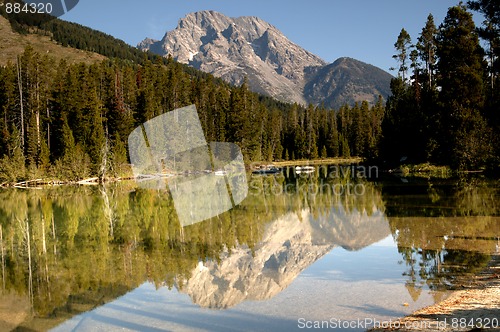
[89, 182]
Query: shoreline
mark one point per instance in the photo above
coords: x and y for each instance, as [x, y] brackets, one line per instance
[47, 183]
[94, 180]
[307, 162]
[476, 304]
[417, 170]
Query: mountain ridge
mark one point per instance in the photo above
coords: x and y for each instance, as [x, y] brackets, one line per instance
[249, 47]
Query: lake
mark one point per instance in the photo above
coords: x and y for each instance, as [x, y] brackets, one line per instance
[342, 249]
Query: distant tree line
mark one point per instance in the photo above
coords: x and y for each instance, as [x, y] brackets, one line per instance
[73, 121]
[445, 101]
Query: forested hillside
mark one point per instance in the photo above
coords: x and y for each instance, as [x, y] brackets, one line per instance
[72, 121]
[73, 35]
[12, 44]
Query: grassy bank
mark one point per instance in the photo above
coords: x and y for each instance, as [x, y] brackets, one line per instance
[424, 170]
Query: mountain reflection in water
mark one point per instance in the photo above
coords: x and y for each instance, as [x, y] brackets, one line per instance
[289, 245]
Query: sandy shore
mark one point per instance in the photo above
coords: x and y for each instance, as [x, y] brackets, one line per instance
[476, 305]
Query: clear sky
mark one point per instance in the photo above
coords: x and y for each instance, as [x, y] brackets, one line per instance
[362, 29]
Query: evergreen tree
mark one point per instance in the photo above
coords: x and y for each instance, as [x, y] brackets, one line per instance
[119, 160]
[403, 47]
[461, 65]
[13, 165]
[332, 136]
[75, 162]
[357, 131]
[311, 150]
[344, 147]
[490, 32]
[119, 119]
[9, 100]
[462, 69]
[374, 130]
[324, 154]
[426, 47]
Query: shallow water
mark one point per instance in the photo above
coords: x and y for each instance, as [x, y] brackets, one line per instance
[297, 253]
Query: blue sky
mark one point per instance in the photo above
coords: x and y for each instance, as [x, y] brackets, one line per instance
[361, 29]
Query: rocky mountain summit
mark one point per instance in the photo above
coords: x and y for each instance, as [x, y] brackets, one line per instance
[235, 48]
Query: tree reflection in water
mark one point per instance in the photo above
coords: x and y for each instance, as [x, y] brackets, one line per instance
[89, 245]
[445, 233]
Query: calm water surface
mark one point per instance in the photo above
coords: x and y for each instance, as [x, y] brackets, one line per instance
[300, 250]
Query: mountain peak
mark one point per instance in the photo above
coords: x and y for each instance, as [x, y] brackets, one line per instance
[346, 81]
[202, 19]
[235, 48]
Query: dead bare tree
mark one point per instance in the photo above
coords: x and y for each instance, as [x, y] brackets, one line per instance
[20, 86]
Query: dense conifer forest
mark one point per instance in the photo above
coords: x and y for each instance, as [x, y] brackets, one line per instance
[72, 121]
[445, 101]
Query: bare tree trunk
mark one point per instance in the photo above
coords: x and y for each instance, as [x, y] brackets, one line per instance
[30, 280]
[20, 86]
[54, 236]
[3, 257]
[428, 63]
[108, 211]
[44, 245]
[104, 157]
[492, 59]
[37, 115]
[48, 128]
[38, 140]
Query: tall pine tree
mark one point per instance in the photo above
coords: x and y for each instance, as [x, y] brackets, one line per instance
[461, 70]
